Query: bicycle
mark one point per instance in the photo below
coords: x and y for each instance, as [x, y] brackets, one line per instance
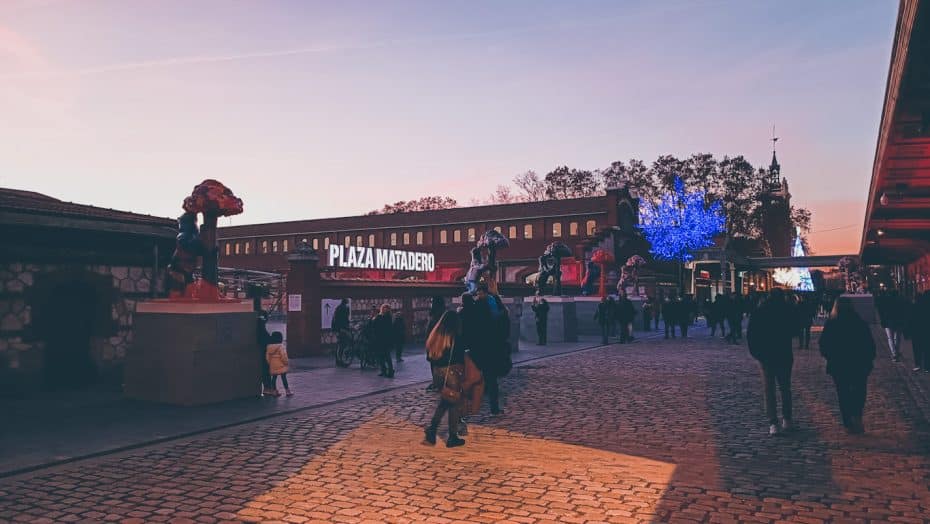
[356, 343]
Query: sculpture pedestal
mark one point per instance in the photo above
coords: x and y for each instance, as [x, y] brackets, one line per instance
[189, 353]
[562, 325]
[585, 309]
[638, 307]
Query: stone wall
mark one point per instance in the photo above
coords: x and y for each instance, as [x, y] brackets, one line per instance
[21, 292]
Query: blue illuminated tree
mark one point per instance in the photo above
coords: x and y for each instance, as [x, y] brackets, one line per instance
[680, 223]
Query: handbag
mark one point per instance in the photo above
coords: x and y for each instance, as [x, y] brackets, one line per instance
[449, 393]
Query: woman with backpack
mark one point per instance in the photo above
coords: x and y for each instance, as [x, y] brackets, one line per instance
[445, 348]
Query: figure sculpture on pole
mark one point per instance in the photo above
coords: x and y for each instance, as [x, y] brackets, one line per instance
[592, 274]
[602, 258]
[214, 200]
[491, 241]
[629, 274]
[550, 266]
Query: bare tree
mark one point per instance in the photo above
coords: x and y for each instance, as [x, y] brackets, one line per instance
[533, 188]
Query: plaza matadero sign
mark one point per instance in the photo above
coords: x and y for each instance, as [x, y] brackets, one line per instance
[373, 258]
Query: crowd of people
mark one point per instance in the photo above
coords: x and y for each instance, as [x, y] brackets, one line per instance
[469, 349]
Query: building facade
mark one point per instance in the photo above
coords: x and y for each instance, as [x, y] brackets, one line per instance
[583, 224]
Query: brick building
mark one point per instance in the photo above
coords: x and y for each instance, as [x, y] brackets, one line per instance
[583, 224]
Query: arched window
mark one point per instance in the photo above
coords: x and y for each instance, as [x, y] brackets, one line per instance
[316, 243]
[406, 239]
[528, 231]
[228, 248]
[248, 247]
[556, 229]
[443, 236]
[326, 243]
[264, 247]
[274, 246]
[358, 241]
[471, 234]
[512, 232]
[237, 247]
[457, 235]
[371, 240]
[573, 229]
[393, 239]
[284, 246]
[347, 241]
[419, 238]
[590, 227]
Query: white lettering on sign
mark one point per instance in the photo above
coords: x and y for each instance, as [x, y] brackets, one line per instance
[371, 258]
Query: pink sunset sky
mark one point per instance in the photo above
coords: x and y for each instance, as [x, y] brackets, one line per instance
[316, 109]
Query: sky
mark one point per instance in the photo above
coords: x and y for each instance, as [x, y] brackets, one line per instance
[318, 109]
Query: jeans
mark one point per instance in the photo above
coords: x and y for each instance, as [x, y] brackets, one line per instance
[274, 381]
[851, 390]
[894, 340]
[494, 392]
[541, 333]
[669, 326]
[605, 332]
[266, 373]
[780, 374]
[399, 351]
[442, 408]
[921, 354]
[684, 329]
[647, 322]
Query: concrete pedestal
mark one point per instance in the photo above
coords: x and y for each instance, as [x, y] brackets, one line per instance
[638, 307]
[562, 325]
[190, 354]
[585, 309]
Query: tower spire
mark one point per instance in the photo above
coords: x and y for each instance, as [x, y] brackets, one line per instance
[774, 167]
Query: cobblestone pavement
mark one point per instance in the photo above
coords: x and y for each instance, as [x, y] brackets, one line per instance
[653, 431]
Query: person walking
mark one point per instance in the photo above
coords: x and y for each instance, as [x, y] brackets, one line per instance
[648, 307]
[445, 349]
[893, 316]
[340, 324]
[262, 339]
[612, 315]
[686, 312]
[625, 315]
[400, 334]
[770, 335]
[382, 332]
[718, 313]
[486, 328]
[807, 309]
[919, 330]
[846, 344]
[734, 313]
[276, 356]
[541, 311]
[436, 310]
[602, 317]
[670, 309]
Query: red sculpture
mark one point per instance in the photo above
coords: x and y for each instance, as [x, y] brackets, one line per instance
[602, 258]
[214, 200]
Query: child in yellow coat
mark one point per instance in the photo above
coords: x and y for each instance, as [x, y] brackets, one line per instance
[276, 355]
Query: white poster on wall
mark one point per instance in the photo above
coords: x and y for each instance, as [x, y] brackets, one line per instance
[328, 309]
[294, 302]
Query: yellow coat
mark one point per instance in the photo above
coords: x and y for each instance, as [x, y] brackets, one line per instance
[276, 355]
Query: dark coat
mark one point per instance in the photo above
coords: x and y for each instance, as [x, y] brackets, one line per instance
[770, 333]
[382, 332]
[541, 310]
[486, 336]
[847, 344]
[603, 314]
[341, 318]
[892, 312]
[918, 325]
[625, 310]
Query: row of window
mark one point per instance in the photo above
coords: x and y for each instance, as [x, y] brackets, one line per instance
[395, 239]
